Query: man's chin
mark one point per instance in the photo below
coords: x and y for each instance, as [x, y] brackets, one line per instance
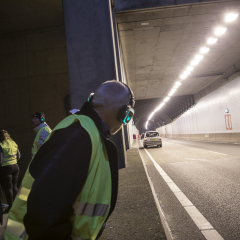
[114, 131]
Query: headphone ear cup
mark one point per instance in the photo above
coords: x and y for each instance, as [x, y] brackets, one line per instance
[122, 113]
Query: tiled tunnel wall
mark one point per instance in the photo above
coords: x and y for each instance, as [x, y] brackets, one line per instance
[33, 77]
[206, 120]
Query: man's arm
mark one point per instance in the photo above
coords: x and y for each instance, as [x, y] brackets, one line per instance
[18, 154]
[60, 170]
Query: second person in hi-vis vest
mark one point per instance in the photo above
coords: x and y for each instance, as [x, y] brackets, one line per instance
[42, 130]
[19, 208]
[75, 172]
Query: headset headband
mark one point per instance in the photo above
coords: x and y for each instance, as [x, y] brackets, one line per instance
[132, 101]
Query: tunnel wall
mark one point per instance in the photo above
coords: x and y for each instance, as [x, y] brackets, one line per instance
[34, 77]
[135, 130]
[207, 120]
[130, 133]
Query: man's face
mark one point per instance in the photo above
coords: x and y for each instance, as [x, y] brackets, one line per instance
[36, 121]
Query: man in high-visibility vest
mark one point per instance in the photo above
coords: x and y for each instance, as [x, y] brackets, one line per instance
[42, 130]
[75, 172]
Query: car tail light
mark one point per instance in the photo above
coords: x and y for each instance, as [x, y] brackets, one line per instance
[145, 139]
[160, 138]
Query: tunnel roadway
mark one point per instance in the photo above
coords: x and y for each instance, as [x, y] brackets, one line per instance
[197, 185]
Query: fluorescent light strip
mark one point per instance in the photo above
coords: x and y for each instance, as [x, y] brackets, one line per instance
[166, 99]
[178, 83]
[183, 76]
[189, 68]
[211, 40]
[204, 50]
[151, 115]
[230, 17]
[199, 57]
[219, 31]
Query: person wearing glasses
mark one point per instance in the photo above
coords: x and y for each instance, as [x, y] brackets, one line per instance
[75, 172]
[9, 170]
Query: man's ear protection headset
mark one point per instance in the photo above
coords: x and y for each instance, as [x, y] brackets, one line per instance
[42, 119]
[126, 112]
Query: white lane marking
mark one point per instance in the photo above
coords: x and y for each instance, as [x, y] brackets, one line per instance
[198, 218]
[196, 148]
[204, 226]
[212, 234]
[167, 179]
[173, 187]
[217, 153]
[194, 159]
[160, 210]
[183, 199]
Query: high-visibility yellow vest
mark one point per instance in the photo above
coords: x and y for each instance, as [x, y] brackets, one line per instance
[9, 148]
[35, 146]
[92, 205]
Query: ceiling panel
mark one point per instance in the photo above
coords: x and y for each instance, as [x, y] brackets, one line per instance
[159, 43]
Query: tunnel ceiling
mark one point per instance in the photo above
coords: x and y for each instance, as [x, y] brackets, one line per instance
[159, 43]
[156, 54]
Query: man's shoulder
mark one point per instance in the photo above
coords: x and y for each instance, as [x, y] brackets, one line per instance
[73, 131]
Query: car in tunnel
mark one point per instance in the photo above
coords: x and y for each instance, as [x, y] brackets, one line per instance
[152, 138]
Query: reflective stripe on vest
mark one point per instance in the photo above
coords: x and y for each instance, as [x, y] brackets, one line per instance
[10, 156]
[16, 228]
[34, 146]
[89, 209]
[9, 159]
[23, 193]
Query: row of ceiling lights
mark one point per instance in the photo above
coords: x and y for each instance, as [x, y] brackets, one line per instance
[218, 31]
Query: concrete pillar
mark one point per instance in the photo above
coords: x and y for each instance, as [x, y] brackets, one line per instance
[92, 53]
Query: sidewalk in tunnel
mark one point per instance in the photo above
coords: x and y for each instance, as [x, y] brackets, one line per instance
[135, 216]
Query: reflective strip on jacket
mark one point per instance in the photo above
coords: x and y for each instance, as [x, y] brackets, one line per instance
[42, 134]
[9, 148]
[92, 205]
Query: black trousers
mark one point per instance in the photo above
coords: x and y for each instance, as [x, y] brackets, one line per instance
[8, 180]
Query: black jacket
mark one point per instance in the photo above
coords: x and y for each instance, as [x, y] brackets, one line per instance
[60, 170]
